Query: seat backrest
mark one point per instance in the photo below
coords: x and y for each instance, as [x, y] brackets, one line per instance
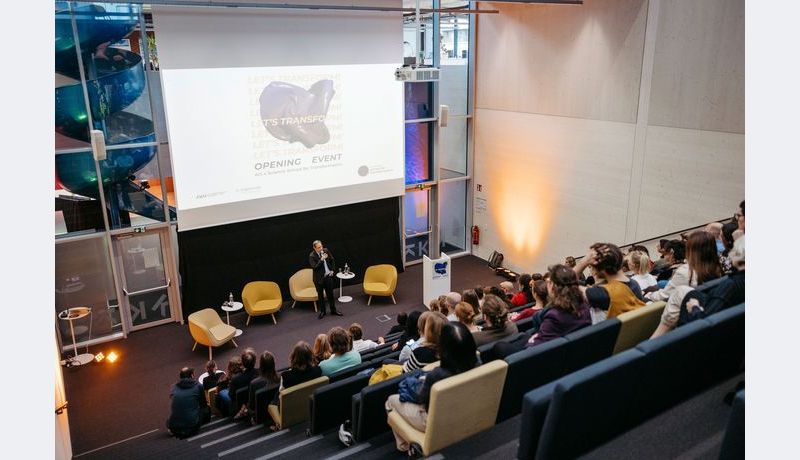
[733, 443]
[727, 342]
[372, 408]
[294, 401]
[330, 404]
[597, 402]
[529, 369]
[259, 290]
[525, 324]
[638, 325]
[456, 412]
[383, 273]
[591, 344]
[300, 280]
[535, 404]
[677, 366]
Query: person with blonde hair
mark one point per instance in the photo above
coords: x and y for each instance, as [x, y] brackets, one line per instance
[639, 265]
[466, 316]
[430, 324]
[322, 348]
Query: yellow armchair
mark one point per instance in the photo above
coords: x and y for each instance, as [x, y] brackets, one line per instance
[261, 298]
[208, 329]
[302, 289]
[380, 280]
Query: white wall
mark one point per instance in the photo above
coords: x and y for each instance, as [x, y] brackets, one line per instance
[615, 120]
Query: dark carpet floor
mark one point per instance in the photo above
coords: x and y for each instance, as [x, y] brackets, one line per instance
[111, 403]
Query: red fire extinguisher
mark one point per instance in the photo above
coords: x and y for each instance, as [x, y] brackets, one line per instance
[476, 235]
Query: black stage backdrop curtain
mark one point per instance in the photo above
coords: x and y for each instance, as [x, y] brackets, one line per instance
[217, 260]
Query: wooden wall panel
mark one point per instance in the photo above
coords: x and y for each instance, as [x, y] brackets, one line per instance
[690, 177]
[577, 61]
[698, 74]
[550, 186]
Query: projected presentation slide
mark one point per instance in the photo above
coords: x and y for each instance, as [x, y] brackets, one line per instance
[239, 134]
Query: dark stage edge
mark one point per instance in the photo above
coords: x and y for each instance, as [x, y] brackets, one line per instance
[111, 403]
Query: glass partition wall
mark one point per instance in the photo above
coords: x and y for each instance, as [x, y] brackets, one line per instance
[114, 212]
[107, 94]
[436, 208]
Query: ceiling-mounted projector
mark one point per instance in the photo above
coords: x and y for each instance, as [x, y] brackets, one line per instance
[412, 74]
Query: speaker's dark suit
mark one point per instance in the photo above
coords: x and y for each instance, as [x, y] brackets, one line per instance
[324, 283]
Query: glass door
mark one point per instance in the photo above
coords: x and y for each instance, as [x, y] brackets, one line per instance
[146, 276]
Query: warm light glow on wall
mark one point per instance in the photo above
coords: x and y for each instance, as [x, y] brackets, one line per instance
[523, 202]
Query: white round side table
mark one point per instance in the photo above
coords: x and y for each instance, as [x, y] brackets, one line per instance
[344, 276]
[72, 314]
[229, 307]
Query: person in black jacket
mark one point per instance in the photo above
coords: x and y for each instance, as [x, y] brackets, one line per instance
[324, 265]
[188, 408]
[243, 380]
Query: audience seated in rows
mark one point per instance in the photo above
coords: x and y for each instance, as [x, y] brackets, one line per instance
[640, 265]
[243, 379]
[452, 299]
[508, 290]
[525, 294]
[322, 348]
[540, 298]
[614, 293]
[458, 355]
[343, 355]
[674, 255]
[267, 378]
[411, 338]
[188, 406]
[702, 265]
[430, 323]
[211, 376]
[401, 324]
[470, 296]
[497, 325]
[359, 343]
[223, 398]
[728, 293]
[567, 312]
[302, 368]
[466, 316]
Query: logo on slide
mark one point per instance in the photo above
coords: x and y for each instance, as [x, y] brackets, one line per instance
[295, 114]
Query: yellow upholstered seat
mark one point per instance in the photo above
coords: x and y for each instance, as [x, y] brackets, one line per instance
[294, 402]
[380, 280]
[301, 287]
[638, 325]
[455, 411]
[261, 298]
[208, 329]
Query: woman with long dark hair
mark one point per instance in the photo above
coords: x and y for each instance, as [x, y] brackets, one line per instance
[267, 378]
[458, 355]
[410, 339]
[525, 294]
[568, 310]
[702, 265]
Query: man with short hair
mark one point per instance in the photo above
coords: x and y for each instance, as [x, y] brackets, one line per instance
[452, 299]
[188, 406]
[324, 266]
[359, 343]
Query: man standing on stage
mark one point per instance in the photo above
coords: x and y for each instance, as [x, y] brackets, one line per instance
[321, 260]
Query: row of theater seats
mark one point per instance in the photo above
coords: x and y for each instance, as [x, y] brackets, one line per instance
[582, 410]
[294, 400]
